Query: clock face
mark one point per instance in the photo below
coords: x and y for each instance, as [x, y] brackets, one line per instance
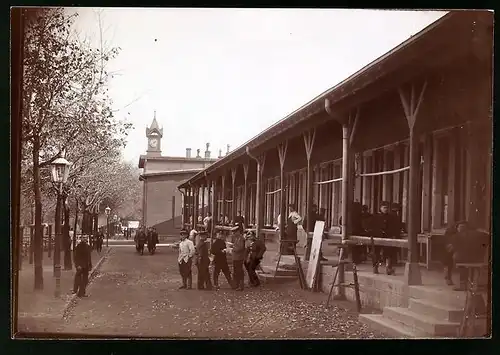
[153, 143]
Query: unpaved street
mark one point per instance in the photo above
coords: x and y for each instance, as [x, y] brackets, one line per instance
[135, 295]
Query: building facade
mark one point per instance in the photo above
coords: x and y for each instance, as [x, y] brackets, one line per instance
[414, 127]
[161, 175]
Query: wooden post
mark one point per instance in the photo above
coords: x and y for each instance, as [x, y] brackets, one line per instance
[282, 148]
[349, 126]
[260, 160]
[233, 193]
[203, 200]
[245, 194]
[215, 209]
[427, 185]
[412, 270]
[452, 177]
[223, 198]
[196, 196]
[309, 138]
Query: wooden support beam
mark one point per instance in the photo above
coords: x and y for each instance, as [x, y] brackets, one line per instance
[412, 270]
[452, 178]
[309, 138]
[282, 150]
[233, 193]
[246, 201]
[214, 207]
[223, 197]
[203, 200]
[427, 184]
[196, 196]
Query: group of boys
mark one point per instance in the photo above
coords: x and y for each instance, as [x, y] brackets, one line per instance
[245, 251]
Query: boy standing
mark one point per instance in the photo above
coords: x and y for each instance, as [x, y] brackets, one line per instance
[186, 253]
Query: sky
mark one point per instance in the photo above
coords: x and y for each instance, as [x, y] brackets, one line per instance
[221, 76]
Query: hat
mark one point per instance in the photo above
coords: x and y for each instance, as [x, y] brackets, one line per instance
[203, 233]
[395, 205]
[184, 232]
[384, 204]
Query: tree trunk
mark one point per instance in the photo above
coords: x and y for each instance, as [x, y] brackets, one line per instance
[38, 242]
[75, 225]
[66, 238]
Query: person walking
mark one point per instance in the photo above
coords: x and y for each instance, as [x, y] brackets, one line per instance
[238, 256]
[83, 264]
[202, 262]
[186, 253]
[255, 253]
[220, 260]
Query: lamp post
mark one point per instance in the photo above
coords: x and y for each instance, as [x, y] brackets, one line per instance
[60, 173]
[107, 210]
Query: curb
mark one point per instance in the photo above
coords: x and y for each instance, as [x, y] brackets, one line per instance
[92, 273]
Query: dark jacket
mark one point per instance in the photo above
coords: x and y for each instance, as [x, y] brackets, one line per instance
[256, 250]
[202, 257]
[217, 250]
[239, 220]
[83, 256]
[309, 223]
[238, 248]
[386, 226]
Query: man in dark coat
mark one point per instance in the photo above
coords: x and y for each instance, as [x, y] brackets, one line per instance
[386, 226]
[238, 256]
[220, 260]
[99, 241]
[254, 254]
[202, 262]
[464, 245]
[141, 240]
[83, 264]
[239, 219]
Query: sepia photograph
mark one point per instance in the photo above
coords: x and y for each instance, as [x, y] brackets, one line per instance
[247, 173]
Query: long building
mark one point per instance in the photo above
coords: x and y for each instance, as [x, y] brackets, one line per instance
[412, 127]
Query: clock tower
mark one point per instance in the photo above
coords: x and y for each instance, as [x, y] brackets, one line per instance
[154, 135]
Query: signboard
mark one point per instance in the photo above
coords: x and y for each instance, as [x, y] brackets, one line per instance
[319, 227]
[133, 224]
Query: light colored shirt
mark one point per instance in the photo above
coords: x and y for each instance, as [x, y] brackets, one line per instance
[186, 250]
[293, 215]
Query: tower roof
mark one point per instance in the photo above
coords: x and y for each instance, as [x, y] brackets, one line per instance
[154, 127]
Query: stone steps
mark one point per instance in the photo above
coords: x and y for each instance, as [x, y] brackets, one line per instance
[439, 311]
[389, 326]
[421, 323]
[439, 295]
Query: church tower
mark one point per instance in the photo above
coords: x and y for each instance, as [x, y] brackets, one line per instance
[154, 135]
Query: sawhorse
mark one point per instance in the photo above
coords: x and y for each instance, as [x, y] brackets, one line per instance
[284, 245]
[475, 307]
[355, 284]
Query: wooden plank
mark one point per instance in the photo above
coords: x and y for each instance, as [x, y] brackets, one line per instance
[396, 183]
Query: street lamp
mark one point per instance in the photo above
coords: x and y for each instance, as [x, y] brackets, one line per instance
[107, 210]
[60, 173]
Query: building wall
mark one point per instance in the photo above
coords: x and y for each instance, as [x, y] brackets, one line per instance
[164, 203]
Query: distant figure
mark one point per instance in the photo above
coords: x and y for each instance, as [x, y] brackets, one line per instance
[207, 222]
[99, 240]
[83, 264]
[239, 219]
[185, 260]
[220, 260]
[386, 226]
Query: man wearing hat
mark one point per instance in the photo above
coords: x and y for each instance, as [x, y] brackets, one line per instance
[83, 263]
[202, 262]
[238, 255]
[220, 260]
[255, 252]
[186, 253]
[386, 226]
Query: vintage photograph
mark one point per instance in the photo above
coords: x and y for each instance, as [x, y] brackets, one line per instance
[245, 173]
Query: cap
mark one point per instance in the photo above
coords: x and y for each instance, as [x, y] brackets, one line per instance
[203, 233]
[184, 232]
[384, 204]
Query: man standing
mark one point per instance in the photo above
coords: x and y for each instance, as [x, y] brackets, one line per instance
[238, 258]
[255, 253]
[292, 223]
[220, 260]
[202, 262]
[309, 223]
[186, 253]
[83, 264]
[239, 219]
[207, 222]
[387, 226]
